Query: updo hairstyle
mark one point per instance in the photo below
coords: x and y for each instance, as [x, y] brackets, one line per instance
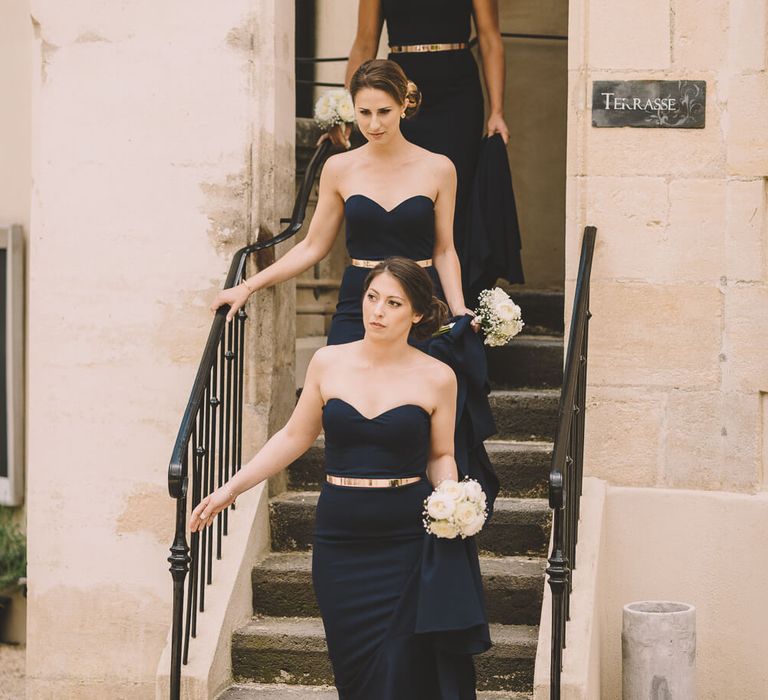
[418, 287]
[381, 74]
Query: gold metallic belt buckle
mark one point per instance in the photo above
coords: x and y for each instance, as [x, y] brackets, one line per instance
[370, 483]
[356, 262]
[427, 48]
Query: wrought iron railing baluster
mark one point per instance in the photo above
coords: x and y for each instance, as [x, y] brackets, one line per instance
[241, 317]
[229, 354]
[235, 410]
[194, 574]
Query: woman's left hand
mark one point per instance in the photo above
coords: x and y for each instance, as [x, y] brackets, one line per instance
[497, 125]
[468, 312]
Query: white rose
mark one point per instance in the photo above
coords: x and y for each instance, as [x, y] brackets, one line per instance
[444, 528]
[465, 513]
[440, 506]
[473, 527]
[451, 488]
[510, 328]
[508, 311]
[472, 489]
[494, 340]
[497, 296]
[324, 110]
[345, 108]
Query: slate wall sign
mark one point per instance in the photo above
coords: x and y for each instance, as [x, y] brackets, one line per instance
[650, 104]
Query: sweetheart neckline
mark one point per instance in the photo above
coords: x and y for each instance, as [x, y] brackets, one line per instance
[398, 205]
[378, 415]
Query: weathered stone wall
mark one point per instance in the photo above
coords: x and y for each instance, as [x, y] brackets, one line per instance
[677, 369]
[161, 144]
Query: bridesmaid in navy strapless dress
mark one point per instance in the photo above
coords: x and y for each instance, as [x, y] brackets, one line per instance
[375, 233]
[403, 611]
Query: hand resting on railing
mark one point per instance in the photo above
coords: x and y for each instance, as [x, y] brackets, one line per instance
[234, 296]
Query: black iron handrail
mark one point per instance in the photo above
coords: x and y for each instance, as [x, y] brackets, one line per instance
[566, 473]
[210, 437]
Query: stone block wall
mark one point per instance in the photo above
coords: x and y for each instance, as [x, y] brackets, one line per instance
[678, 371]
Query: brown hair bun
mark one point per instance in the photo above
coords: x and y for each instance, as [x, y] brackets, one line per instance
[388, 76]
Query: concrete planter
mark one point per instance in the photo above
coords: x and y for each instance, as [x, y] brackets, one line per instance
[658, 643]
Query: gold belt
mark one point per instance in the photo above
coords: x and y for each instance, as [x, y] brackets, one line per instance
[370, 483]
[372, 263]
[424, 48]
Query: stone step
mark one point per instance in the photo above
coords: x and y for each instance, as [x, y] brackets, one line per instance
[522, 467]
[525, 414]
[318, 307]
[514, 586]
[519, 525]
[292, 651]
[281, 691]
[527, 361]
[320, 283]
[542, 310]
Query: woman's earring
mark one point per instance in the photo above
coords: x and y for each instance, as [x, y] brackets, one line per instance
[402, 116]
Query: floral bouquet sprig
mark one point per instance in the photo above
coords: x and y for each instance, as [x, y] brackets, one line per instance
[334, 107]
[498, 316]
[455, 509]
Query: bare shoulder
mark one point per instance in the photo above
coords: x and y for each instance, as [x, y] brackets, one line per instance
[325, 357]
[438, 372]
[443, 164]
[330, 354]
[336, 163]
[435, 161]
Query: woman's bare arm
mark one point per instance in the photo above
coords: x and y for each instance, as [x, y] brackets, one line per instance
[323, 229]
[444, 256]
[492, 54]
[370, 20]
[442, 464]
[283, 448]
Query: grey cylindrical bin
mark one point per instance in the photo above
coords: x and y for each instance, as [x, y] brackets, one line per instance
[658, 649]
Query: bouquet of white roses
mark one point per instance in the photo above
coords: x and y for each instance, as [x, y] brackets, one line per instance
[455, 508]
[499, 316]
[334, 107]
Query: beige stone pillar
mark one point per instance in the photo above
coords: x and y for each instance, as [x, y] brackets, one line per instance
[163, 141]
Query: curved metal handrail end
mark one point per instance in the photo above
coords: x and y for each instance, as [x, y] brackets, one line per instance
[177, 480]
[556, 489]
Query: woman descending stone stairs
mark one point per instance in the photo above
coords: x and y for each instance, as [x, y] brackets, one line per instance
[280, 654]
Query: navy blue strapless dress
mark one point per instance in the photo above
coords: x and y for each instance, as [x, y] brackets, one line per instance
[403, 611]
[375, 233]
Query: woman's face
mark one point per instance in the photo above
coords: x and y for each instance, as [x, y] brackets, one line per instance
[378, 115]
[387, 311]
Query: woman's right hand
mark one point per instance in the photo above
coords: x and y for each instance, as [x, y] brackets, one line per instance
[209, 507]
[234, 296]
[338, 134]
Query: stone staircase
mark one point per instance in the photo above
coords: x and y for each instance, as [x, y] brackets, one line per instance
[281, 654]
